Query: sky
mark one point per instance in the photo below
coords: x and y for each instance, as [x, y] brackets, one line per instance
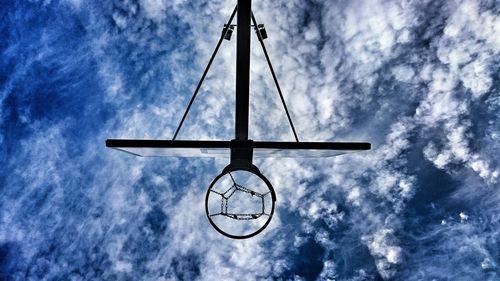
[420, 80]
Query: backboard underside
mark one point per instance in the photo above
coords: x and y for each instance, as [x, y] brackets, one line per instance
[189, 148]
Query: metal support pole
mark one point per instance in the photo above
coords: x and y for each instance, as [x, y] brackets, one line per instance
[243, 69]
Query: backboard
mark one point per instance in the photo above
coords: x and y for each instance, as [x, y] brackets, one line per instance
[208, 148]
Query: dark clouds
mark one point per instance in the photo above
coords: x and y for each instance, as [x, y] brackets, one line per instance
[417, 79]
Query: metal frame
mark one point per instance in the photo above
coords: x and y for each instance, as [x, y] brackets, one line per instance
[241, 141]
[254, 170]
[243, 69]
[241, 148]
[134, 143]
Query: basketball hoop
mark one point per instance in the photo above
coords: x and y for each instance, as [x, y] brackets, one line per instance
[240, 201]
[238, 210]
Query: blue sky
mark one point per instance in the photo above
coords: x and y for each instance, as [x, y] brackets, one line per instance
[418, 79]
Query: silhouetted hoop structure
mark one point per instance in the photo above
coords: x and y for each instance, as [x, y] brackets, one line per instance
[241, 149]
[227, 171]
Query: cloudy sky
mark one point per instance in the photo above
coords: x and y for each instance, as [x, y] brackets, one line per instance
[420, 80]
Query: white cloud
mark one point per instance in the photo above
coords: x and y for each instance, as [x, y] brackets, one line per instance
[76, 3]
[384, 246]
[154, 9]
[477, 78]
[443, 108]
[469, 43]
[403, 73]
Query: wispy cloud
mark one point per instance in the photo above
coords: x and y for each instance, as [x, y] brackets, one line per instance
[418, 80]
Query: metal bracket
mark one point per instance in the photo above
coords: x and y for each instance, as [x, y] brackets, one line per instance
[242, 154]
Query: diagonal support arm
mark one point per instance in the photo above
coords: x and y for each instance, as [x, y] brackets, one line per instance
[205, 73]
[274, 77]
